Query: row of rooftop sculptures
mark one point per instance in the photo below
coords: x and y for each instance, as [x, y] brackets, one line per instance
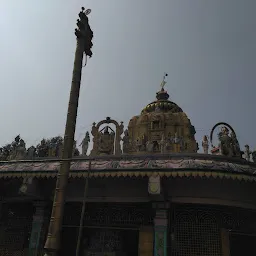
[46, 148]
[106, 141]
[145, 145]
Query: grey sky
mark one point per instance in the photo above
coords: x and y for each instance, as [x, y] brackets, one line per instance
[208, 48]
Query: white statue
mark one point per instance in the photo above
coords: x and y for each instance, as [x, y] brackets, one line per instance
[247, 153]
[205, 144]
[163, 144]
[85, 144]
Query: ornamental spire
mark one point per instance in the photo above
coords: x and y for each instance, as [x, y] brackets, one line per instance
[163, 81]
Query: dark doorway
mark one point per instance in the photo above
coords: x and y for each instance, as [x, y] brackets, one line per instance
[242, 244]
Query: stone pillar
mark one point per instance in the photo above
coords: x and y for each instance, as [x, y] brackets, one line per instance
[37, 227]
[160, 230]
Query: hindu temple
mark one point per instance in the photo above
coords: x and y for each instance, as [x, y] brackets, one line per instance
[150, 192]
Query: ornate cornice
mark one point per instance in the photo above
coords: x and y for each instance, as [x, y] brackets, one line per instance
[175, 165]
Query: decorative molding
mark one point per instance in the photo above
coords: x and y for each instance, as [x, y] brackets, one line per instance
[183, 166]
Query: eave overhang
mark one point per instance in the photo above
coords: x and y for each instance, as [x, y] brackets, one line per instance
[171, 165]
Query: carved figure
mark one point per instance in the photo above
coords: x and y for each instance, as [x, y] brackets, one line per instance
[163, 144]
[235, 145]
[31, 152]
[17, 150]
[20, 150]
[247, 153]
[75, 150]
[228, 143]
[59, 146]
[126, 142]
[106, 141]
[176, 138]
[42, 149]
[5, 152]
[149, 146]
[254, 156]
[85, 144]
[141, 143]
[225, 142]
[205, 144]
[52, 147]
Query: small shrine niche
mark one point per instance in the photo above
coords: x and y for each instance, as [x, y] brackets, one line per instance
[228, 144]
[106, 140]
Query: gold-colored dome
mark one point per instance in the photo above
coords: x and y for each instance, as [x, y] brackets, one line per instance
[162, 127]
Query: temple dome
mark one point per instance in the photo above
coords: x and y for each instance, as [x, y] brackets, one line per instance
[161, 121]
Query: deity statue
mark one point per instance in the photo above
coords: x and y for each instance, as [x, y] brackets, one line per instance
[59, 147]
[5, 152]
[42, 149]
[118, 138]
[106, 141]
[176, 138]
[235, 145]
[247, 153]
[225, 142]
[205, 144]
[85, 144]
[149, 146]
[75, 150]
[228, 143]
[254, 156]
[126, 142]
[141, 143]
[163, 144]
[18, 149]
[31, 152]
[21, 150]
[51, 147]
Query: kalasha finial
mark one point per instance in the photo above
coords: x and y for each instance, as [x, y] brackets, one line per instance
[163, 81]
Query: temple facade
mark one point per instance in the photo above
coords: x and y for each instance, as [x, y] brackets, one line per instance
[149, 190]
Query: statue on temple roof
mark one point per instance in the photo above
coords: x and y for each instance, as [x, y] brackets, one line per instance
[75, 150]
[254, 156]
[163, 144]
[205, 144]
[42, 149]
[18, 149]
[85, 143]
[126, 142]
[31, 152]
[106, 141]
[21, 150]
[247, 153]
[228, 143]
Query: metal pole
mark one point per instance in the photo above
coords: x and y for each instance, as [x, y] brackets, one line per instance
[52, 244]
[83, 211]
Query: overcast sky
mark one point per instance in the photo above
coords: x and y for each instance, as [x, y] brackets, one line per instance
[208, 48]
